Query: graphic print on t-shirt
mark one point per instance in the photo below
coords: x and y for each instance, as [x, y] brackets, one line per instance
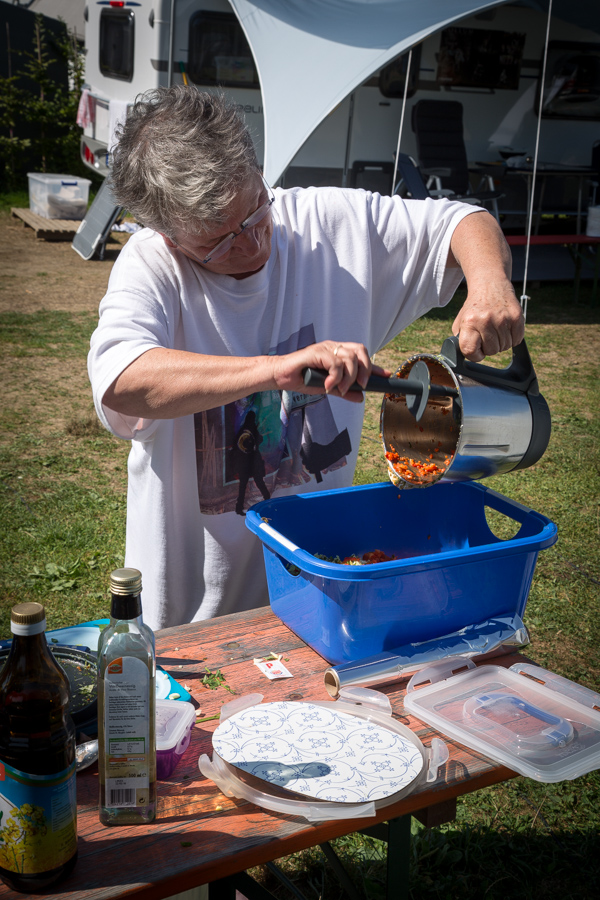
[247, 450]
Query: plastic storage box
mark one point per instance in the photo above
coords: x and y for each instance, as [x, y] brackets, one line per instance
[451, 570]
[58, 196]
[174, 723]
[531, 720]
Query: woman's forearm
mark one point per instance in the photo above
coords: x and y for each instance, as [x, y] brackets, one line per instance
[166, 384]
[491, 318]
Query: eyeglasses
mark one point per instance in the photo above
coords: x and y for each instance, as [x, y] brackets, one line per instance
[223, 246]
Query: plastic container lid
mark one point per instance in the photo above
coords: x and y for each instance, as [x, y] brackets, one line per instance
[533, 721]
[174, 719]
[359, 702]
[49, 178]
[322, 752]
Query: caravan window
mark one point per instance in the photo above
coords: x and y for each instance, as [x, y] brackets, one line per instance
[392, 77]
[572, 85]
[116, 43]
[219, 52]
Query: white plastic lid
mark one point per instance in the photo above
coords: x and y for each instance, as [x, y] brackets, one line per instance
[537, 724]
[231, 780]
[173, 720]
[47, 177]
[322, 751]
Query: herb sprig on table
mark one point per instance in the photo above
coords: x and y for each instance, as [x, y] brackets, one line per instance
[214, 680]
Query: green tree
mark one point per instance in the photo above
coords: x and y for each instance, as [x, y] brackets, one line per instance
[38, 108]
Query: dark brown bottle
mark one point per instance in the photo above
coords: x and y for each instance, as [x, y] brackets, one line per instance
[38, 812]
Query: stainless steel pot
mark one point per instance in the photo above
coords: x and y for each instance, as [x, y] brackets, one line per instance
[496, 422]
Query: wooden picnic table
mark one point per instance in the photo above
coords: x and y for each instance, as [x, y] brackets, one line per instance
[200, 836]
[575, 243]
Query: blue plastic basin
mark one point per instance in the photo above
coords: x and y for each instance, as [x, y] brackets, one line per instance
[452, 571]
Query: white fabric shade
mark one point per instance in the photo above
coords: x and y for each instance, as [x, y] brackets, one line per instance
[311, 54]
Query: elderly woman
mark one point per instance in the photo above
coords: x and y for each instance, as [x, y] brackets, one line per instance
[216, 307]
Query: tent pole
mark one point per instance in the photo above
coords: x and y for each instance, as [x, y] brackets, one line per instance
[171, 44]
[524, 297]
[408, 64]
[348, 139]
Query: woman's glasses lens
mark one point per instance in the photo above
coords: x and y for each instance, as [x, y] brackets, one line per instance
[225, 245]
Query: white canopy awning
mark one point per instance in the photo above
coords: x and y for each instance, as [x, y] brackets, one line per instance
[311, 54]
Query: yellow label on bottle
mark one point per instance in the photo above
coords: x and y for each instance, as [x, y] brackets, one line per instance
[38, 820]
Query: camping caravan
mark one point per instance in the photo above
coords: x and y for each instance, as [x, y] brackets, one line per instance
[133, 47]
[325, 86]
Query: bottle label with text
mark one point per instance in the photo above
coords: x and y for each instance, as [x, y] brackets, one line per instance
[127, 732]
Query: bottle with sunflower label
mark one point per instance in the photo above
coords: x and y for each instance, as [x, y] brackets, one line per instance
[126, 708]
[38, 811]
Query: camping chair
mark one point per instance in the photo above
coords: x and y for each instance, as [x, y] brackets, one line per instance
[410, 183]
[438, 126]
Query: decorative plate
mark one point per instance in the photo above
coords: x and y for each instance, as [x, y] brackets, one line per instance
[322, 753]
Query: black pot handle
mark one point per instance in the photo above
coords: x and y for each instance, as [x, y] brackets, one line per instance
[518, 375]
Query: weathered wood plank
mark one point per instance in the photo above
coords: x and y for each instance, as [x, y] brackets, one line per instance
[47, 229]
[200, 835]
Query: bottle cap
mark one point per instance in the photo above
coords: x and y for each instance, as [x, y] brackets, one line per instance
[28, 613]
[125, 588]
[126, 581]
[28, 618]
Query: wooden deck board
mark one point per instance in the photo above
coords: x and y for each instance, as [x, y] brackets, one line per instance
[47, 229]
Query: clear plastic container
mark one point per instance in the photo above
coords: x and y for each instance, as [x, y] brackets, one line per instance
[174, 723]
[533, 721]
[58, 196]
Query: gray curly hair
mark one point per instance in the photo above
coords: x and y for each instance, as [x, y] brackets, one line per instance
[182, 156]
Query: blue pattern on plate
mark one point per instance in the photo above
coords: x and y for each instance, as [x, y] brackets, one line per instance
[322, 753]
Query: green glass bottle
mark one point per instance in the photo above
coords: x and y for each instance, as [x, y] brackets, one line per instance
[126, 708]
[38, 811]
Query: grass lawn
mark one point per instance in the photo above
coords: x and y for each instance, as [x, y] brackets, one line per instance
[62, 496]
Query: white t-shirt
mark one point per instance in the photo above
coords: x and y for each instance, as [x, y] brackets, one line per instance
[346, 266]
